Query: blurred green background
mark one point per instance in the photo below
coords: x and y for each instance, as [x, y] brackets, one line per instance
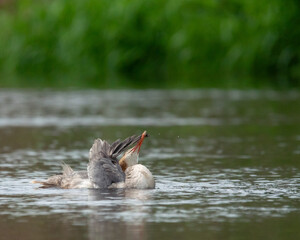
[150, 43]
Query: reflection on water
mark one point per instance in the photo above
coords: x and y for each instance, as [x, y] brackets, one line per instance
[131, 211]
[221, 159]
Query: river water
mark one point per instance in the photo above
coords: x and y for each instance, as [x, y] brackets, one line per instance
[226, 164]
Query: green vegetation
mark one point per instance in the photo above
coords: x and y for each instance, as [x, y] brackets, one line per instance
[150, 43]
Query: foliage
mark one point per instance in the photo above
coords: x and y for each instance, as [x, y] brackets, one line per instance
[150, 43]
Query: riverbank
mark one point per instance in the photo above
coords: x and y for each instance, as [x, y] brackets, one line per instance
[150, 44]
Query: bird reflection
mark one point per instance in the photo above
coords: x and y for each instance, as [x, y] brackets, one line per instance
[118, 213]
[105, 194]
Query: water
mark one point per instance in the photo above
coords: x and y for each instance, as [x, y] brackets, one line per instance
[226, 164]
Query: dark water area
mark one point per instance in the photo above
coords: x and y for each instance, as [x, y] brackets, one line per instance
[226, 164]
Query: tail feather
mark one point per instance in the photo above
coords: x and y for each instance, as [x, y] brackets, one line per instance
[34, 181]
[54, 181]
[102, 149]
[45, 184]
[119, 146]
[67, 170]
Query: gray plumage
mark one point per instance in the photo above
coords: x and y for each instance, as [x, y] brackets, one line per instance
[103, 168]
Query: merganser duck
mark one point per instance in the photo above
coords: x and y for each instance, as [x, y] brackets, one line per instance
[104, 169]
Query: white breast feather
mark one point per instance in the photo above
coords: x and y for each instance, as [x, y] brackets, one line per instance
[138, 176]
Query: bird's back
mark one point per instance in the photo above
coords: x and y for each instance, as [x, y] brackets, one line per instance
[68, 179]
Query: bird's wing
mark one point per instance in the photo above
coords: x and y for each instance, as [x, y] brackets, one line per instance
[105, 171]
[67, 170]
[103, 168]
[118, 146]
[102, 149]
[82, 174]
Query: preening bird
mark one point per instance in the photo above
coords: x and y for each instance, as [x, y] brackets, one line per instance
[104, 170]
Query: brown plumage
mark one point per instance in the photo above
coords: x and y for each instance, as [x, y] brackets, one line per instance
[123, 165]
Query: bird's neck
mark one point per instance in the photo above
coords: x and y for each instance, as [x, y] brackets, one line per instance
[123, 164]
[126, 162]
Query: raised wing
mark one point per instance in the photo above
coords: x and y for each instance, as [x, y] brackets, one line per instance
[103, 168]
[105, 171]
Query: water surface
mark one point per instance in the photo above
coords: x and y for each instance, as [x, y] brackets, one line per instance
[226, 164]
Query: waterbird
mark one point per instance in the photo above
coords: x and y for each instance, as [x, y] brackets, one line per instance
[104, 170]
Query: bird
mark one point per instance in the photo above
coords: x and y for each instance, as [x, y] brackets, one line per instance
[104, 170]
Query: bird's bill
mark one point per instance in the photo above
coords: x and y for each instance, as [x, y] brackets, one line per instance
[137, 147]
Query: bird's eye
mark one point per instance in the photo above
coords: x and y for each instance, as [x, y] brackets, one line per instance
[113, 162]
